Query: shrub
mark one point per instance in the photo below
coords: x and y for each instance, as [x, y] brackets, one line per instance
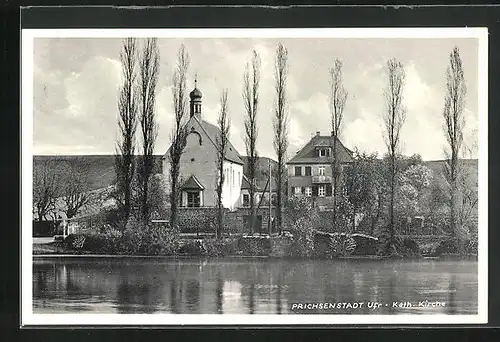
[193, 220]
[281, 246]
[303, 237]
[74, 242]
[344, 214]
[407, 247]
[255, 245]
[322, 245]
[332, 245]
[220, 247]
[136, 239]
[398, 247]
[341, 245]
[161, 241]
[298, 208]
[386, 245]
[193, 247]
[112, 217]
[429, 248]
[365, 244]
[472, 245]
[451, 246]
[208, 247]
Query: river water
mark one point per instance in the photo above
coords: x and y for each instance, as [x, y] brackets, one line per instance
[253, 286]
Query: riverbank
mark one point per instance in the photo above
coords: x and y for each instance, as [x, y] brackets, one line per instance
[58, 250]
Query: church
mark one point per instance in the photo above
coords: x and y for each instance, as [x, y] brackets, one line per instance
[198, 169]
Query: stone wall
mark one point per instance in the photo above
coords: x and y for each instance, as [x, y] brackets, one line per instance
[204, 220]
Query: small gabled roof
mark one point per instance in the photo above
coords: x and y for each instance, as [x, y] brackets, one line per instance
[245, 183]
[307, 154]
[192, 183]
[212, 132]
[260, 184]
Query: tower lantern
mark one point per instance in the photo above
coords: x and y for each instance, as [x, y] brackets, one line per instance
[195, 102]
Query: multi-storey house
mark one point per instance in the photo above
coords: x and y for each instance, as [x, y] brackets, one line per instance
[310, 170]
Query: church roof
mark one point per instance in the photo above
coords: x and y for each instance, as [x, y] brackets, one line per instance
[212, 133]
[195, 93]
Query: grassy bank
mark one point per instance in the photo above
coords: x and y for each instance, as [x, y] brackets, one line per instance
[323, 246]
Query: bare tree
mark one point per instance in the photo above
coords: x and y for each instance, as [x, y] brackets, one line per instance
[222, 143]
[149, 68]
[179, 133]
[45, 189]
[251, 80]
[127, 123]
[74, 187]
[280, 124]
[454, 122]
[394, 118]
[338, 97]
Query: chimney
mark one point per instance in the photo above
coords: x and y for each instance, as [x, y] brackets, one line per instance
[318, 133]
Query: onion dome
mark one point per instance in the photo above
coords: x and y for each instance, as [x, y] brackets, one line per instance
[195, 94]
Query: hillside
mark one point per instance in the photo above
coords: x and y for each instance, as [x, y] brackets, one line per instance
[471, 169]
[99, 170]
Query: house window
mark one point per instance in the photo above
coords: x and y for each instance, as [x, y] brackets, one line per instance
[324, 152]
[321, 191]
[328, 190]
[308, 191]
[298, 190]
[273, 199]
[321, 171]
[232, 175]
[193, 199]
[298, 170]
[308, 170]
[246, 200]
[238, 177]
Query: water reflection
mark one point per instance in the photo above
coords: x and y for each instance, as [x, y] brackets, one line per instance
[251, 287]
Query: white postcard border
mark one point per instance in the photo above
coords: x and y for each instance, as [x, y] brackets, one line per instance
[28, 318]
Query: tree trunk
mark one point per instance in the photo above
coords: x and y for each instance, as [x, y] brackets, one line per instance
[335, 181]
[353, 220]
[145, 207]
[391, 208]
[219, 222]
[173, 205]
[252, 210]
[278, 201]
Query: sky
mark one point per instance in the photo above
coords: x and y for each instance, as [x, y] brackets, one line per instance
[76, 84]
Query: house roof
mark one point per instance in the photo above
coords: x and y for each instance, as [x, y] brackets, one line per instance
[262, 173]
[212, 132]
[261, 184]
[307, 154]
[192, 183]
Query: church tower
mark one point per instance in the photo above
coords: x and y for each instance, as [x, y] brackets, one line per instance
[195, 103]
